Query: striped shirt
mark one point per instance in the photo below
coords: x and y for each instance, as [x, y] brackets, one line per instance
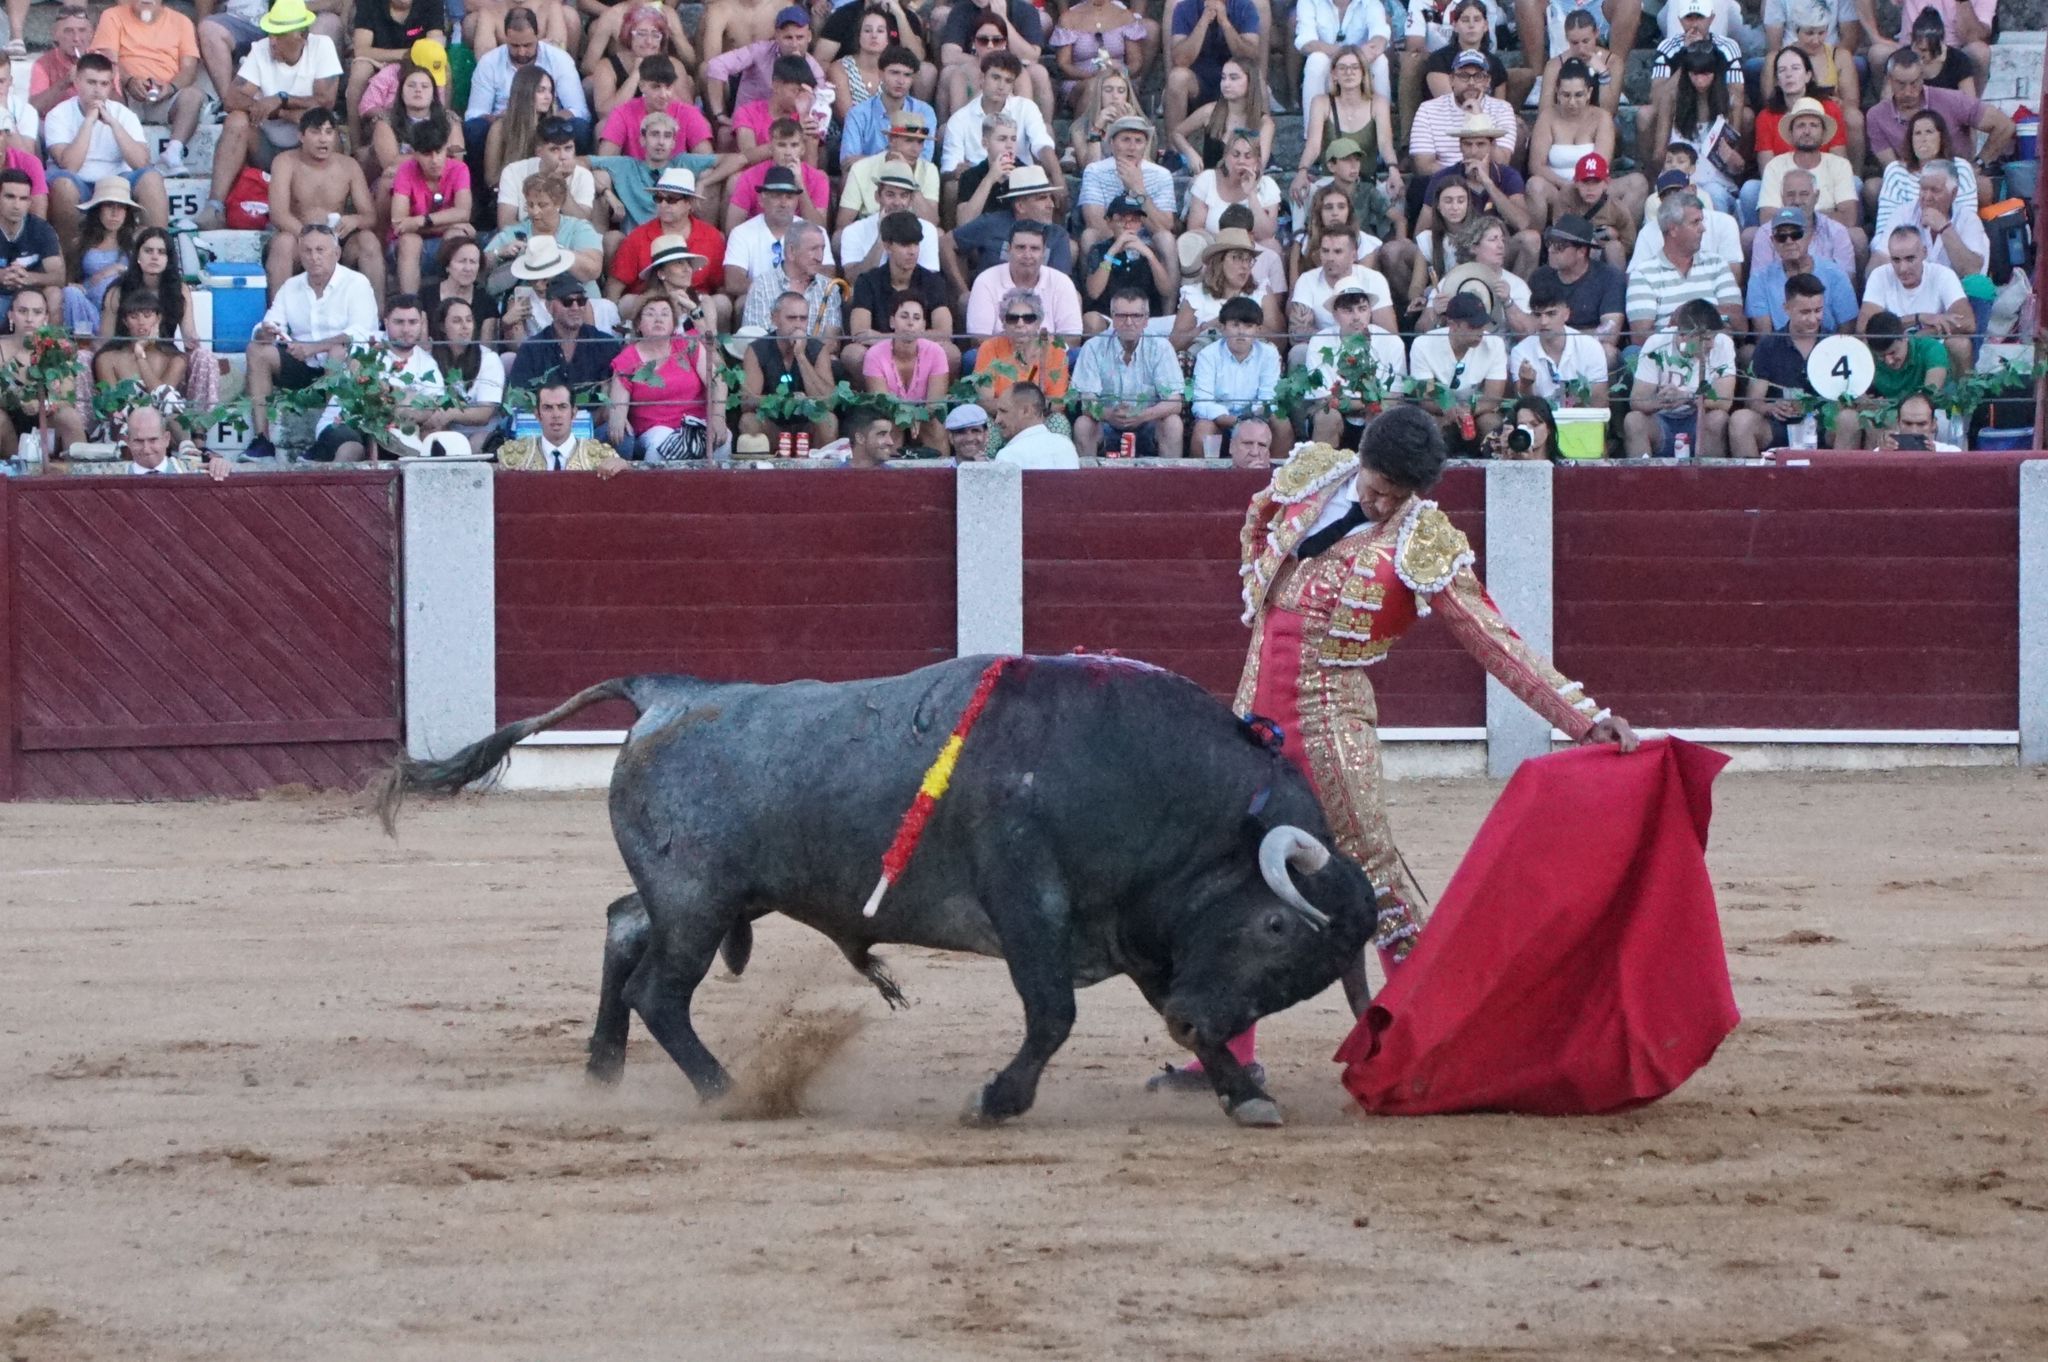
[1435, 132]
[1671, 47]
[1656, 289]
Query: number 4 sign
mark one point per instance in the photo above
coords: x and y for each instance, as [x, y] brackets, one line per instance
[1841, 367]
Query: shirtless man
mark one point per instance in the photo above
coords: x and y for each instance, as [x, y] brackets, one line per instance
[735, 23]
[311, 184]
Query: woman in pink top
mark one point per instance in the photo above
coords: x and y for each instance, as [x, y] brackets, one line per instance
[909, 366]
[648, 410]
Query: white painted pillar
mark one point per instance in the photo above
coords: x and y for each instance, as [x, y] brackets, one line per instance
[2034, 613]
[1518, 573]
[988, 522]
[449, 590]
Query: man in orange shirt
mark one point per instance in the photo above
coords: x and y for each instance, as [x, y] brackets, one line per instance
[155, 51]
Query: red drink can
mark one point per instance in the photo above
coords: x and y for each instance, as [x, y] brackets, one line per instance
[803, 444]
[1130, 446]
[782, 445]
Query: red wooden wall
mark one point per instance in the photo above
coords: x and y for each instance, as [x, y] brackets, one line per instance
[758, 576]
[1860, 594]
[1144, 561]
[175, 638]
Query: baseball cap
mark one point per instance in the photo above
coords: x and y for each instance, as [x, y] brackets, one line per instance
[1470, 57]
[967, 416]
[793, 14]
[1788, 216]
[778, 180]
[1592, 168]
[1696, 9]
[1573, 228]
[1467, 309]
[1342, 147]
[1673, 179]
[1353, 287]
[1125, 203]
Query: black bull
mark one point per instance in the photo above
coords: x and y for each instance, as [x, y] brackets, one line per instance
[1104, 818]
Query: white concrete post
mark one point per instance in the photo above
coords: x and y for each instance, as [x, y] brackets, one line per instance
[449, 590]
[2034, 612]
[988, 527]
[1518, 573]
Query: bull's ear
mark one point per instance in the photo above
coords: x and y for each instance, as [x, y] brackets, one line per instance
[1256, 822]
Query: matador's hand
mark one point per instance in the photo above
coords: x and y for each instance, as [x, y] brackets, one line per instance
[1614, 729]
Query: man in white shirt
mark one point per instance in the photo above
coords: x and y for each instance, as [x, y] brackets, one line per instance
[148, 444]
[93, 138]
[1471, 368]
[315, 317]
[1344, 408]
[860, 244]
[756, 247]
[1543, 365]
[1954, 233]
[284, 75]
[1926, 296]
[404, 365]
[961, 146]
[1722, 235]
[1308, 311]
[1026, 442]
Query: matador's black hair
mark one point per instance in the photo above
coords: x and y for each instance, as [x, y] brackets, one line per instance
[1404, 445]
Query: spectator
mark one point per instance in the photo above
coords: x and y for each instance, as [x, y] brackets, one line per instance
[1947, 67]
[602, 45]
[967, 432]
[462, 271]
[557, 447]
[490, 85]
[621, 76]
[675, 201]
[147, 443]
[1809, 128]
[1970, 23]
[149, 267]
[1668, 72]
[1025, 268]
[1684, 387]
[1584, 39]
[51, 79]
[1926, 144]
[756, 247]
[1792, 255]
[1571, 128]
[155, 51]
[909, 137]
[31, 258]
[554, 154]
[792, 96]
[901, 270]
[1926, 295]
[284, 75]
[30, 313]
[965, 42]
[313, 182]
[472, 370]
[1779, 391]
[1906, 364]
[385, 32]
[1472, 36]
[1831, 240]
[786, 153]
[93, 138]
[417, 98]
[1596, 293]
[984, 242]
[1325, 29]
[1308, 309]
[528, 292]
[1110, 97]
[671, 270]
[1236, 179]
[1798, 78]
[667, 418]
[857, 71]
[872, 439]
[1614, 224]
[570, 347]
[1680, 271]
[1238, 107]
[1434, 136]
[1206, 33]
[1025, 352]
[1367, 209]
[909, 366]
[430, 203]
[402, 363]
[962, 146]
[1704, 120]
[895, 191]
[546, 195]
[1436, 247]
[313, 320]
[801, 272]
[1226, 275]
[1915, 424]
[1953, 232]
[1026, 441]
[21, 129]
[754, 65]
[1543, 364]
[1097, 39]
[1127, 262]
[872, 125]
[1907, 92]
[787, 361]
[1341, 412]
[1251, 443]
[659, 90]
[1128, 169]
[106, 245]
[138, 352]
[1533, 419]
[1483, 242]
[627, 198]
[1235, 378]
[1134, 379]
[1465, 368]
[1497, 190]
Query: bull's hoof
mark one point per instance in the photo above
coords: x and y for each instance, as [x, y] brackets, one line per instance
[1191, 1079]
[1260, 1113]
[977, 1113]
[605, 1070]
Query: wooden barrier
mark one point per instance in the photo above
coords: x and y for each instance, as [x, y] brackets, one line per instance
[175, 638]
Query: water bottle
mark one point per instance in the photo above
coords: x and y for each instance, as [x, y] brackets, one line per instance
[28, 454]
[1681, 445]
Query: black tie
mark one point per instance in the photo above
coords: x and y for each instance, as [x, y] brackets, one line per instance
[1330, 534]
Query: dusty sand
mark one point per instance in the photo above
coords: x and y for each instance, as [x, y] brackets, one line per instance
[275, 1087]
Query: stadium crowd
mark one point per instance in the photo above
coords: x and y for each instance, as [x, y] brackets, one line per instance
[583, 235]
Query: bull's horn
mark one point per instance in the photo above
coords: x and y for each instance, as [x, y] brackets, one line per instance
[1287, 846]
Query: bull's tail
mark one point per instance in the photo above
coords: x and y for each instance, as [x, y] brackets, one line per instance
[483, 758]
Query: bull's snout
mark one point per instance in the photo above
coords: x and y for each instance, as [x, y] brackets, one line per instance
[1189, 1031]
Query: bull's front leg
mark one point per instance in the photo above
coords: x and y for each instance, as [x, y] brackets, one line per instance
[1030, 916]
[1244, 1100]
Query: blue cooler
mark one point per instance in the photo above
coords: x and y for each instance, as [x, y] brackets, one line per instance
[239, 298]
[2027, 141]
[1992, 439]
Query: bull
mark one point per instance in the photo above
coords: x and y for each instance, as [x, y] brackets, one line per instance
[1104, 818]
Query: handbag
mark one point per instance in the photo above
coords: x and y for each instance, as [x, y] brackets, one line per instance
[248, 203]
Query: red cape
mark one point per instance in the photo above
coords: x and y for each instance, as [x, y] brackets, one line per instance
[1574, 964]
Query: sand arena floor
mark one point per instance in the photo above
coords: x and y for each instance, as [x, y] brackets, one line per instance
[275, 1087]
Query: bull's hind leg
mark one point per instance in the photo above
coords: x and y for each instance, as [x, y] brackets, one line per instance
[687, 928]
[625, 945]
[1029, 908]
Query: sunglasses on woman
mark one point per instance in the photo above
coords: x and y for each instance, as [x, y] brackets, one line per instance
[1026, 317]
[988, 40]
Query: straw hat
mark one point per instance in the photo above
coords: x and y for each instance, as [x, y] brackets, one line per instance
[751, 447]
[1229, 239]
[1027, 180]
[1806, 106]
[286, 16]
[736, 344]
[543, 258]
[1478, 125]
[112, 189]
[1191, 245]
[671, 249]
